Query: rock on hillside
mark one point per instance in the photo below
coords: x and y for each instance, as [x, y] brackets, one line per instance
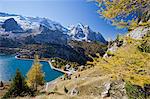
[139, 32]
[136, 34]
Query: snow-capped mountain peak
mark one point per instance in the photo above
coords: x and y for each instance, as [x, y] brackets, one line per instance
[44, 29]
[83, 32]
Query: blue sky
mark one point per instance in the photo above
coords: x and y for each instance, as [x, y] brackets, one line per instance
[66, 12]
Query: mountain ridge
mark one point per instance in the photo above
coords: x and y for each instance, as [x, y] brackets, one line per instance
[31, 26]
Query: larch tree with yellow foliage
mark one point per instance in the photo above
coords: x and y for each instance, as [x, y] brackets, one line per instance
[35, 76]
[125, 13]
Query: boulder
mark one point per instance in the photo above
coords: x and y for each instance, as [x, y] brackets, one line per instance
[105, 92]
[74, 92]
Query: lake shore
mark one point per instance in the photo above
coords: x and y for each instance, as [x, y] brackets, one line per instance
[45, 60]
[47, 84]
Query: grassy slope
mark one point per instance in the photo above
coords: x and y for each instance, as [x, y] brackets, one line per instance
[128, 63]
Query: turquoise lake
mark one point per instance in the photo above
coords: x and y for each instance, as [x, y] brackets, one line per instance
[9, 64]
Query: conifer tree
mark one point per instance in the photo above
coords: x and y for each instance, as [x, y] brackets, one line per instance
[1, 84]
[35, 76]
[18, 87]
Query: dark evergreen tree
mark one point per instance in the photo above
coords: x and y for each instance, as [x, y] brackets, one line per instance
[1, 84]
[18, 87]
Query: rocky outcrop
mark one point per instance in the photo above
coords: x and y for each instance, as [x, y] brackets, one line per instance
[114, 90]
[117, 90]
[111, 50]
[139, 32]
[74, 92]
[106, 89]
[136, 34]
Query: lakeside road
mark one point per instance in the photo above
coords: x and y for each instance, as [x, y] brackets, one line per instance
[57, 68]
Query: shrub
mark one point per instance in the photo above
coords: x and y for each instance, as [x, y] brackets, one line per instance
[137, 92]
[109, 53]
[145, 46]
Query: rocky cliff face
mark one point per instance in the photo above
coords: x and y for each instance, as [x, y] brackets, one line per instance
[11, 25]
[81, 32]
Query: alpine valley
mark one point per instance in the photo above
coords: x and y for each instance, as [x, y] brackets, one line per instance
[26, 35]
